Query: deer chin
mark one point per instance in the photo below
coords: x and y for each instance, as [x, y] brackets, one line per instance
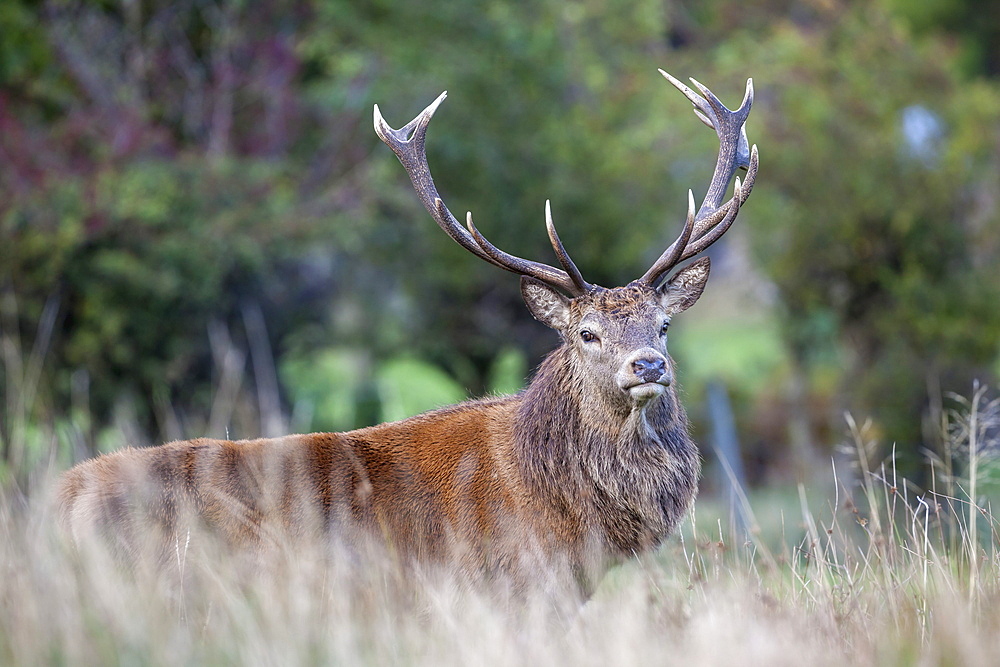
[646, 391]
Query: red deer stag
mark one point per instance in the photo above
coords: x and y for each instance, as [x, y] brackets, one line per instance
[590, 464]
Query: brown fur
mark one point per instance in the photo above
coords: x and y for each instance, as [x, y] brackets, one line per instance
[547, 487]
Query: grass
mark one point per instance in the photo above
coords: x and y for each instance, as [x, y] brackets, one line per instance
[60, 610]
[859, 568]
[878, 573]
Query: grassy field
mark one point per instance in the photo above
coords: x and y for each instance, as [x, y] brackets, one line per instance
[858, 567]
[871, 572]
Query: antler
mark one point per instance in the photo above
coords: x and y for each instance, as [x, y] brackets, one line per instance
[408, 143]
[701, 229]
[713, 218]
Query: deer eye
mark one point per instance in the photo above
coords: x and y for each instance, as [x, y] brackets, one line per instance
[663, 329]
[588, 336]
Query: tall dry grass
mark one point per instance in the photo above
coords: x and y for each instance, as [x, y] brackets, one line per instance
[302, 608]
[876, 572]
[881, 573]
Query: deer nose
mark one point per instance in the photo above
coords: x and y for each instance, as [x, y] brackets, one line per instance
[649, 370]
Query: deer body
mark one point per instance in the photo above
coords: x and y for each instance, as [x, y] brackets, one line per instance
[557, 478]
[590, 464]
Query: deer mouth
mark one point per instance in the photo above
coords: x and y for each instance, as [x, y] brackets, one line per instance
[646, 391]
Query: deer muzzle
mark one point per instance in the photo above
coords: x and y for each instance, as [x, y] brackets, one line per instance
[645, 375]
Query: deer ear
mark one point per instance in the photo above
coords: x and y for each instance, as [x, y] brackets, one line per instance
[680, 292]
[546, 304]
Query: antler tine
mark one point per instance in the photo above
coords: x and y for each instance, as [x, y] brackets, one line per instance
[525, 267]
[564, 259]
[408, 143]
[713, 217]
[672, 255]
[741, 112]
[709, 221]
[734, 151]
[687, 244]
[699, 103]
[716, 232]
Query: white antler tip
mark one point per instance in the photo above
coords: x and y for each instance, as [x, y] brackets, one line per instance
[432, 107]
[669, 77]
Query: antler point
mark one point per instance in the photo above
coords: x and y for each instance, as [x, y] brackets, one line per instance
[673, 80]
[432, 107]
[472, 228]
[378, 121]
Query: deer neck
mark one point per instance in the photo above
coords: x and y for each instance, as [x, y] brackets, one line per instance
[620, 471]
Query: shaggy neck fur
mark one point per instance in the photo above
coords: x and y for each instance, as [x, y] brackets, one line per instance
[623, 473]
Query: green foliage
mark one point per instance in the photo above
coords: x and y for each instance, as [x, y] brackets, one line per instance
[741, 354]
[865, 233]
[25, 53]
[327, 386]
[165, 168]
[508, 373]
[973, 24]
[145, 259]
[408, 386]
[336, 388]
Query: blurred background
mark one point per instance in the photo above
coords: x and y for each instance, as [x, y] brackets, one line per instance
[200, 233]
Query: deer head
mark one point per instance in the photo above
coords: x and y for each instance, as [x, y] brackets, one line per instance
[617, 335]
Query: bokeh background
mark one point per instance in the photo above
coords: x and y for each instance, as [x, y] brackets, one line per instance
[200, 234]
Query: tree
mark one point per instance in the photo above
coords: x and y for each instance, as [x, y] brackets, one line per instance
[874, 218]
